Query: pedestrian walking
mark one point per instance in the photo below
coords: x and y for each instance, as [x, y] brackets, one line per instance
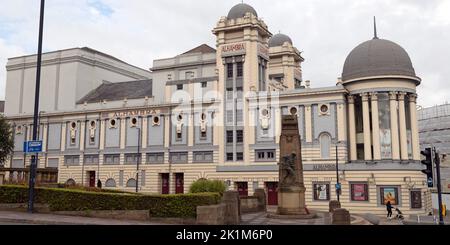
[99, 183]
[389, 209]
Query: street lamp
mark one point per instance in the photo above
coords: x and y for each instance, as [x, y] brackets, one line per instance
[138, 159]
[338, 185]
[33, 167]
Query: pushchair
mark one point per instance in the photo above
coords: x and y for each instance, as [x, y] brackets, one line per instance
[399, 215]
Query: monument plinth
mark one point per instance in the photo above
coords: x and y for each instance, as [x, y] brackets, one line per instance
[291, 188]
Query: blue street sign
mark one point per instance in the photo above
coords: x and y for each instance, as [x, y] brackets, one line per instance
[32, 146]
[430, 182]
[338, 186]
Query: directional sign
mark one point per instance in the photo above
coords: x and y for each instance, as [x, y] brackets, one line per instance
[338, 186]
[32, 146]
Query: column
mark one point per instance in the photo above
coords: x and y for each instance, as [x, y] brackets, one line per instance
[190, 128]
[402, 126]
[63, 136]
[394, 126]
[375, 127]
[82, 135]
[308, 126]
[123, 125]
[144, 132]
[352, 127]
[414, 127]
[342, 136]
[366, 127]
[102, 134]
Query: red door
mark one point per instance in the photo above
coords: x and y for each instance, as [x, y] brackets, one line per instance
[272, 193]
[164, 183]
[242, 188]
[179, 183]
[91, 178]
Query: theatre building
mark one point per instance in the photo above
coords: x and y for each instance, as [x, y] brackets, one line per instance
[215, 113]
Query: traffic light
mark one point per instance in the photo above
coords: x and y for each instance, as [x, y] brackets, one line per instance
[428, 162]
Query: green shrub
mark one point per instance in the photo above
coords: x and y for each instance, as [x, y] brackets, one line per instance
[80, 200]
[203, 185]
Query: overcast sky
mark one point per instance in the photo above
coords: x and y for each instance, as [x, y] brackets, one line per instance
[139, 31]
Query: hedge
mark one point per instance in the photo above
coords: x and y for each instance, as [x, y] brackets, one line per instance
[183, 205]
[203, 185]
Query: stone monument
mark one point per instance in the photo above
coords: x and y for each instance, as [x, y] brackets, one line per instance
[291, 188]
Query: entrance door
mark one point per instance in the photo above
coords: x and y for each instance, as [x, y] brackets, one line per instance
[242, 188]
[2, 179]
[272, 193]
[179, 183]
[91, 175]
[164, 183]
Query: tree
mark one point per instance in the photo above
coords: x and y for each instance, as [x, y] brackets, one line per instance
[6, 140]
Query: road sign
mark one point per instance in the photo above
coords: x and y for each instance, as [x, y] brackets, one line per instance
[338, 186]
[32, 146]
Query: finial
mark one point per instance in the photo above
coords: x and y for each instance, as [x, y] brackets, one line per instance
[375, 28]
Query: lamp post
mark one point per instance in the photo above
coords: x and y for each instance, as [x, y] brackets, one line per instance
[36, 109]
[138, 158]
[338, 185]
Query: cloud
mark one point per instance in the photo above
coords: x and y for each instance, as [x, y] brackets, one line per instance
[139, 31]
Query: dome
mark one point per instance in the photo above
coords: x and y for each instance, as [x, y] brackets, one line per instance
[377, 57]
[279, 39]
[239, 11]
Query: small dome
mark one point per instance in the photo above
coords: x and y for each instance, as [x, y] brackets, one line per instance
[239, 11]
[377, 57]
[279, 39]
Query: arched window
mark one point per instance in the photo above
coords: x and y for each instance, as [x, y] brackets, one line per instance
[70, 182]
[110, 183]
[131, 183]
[325, 145]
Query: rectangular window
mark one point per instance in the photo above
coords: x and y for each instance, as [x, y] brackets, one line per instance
[239, 69]
[90, 159]
[229, 136]
[155, 158]
[204, 84]
[179, 136]
[230, 70]
[239, 116]
[359, 192]
[265, 155]
[112, 159]
[179, 157]
[179, 86]
[203, 156]
[239, 136]
[230, 157]
[321, 191]
[132, 158]
[71, 160]
[239, 156]
[229, 116]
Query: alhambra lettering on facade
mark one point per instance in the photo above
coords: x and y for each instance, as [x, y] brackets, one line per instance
[100, 130]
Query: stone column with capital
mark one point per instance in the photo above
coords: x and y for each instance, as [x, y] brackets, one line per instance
[414, 127]
[352, 127]
[402, 126]
[366, 127]
[375, 127]
[394, 126]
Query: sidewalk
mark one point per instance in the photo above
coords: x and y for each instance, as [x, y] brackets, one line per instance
[51, 219]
